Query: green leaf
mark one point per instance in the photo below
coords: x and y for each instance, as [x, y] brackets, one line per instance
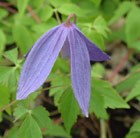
[37, 4]
[24, 20]
[100, 26]
[22, 6]
[5, 97]
[134, 130]
[22, 37]
[95, 37]
[111, 98]
[132, 28]
[98, 70]
[118, 34]
[123, 8]
[2, 41]
[45, 13]
[135, 91]
[29, 128]
[59, 84]
[97, 104]
[19, 112]
[39, 29]
[3, 13]
[12, 55]
[128, 83]
[67, 9]
[5, 73]
[57, 3]
[46, 124]
[41, 115]
[62, 65]
[97, 2]
[69, 108]
[12, 133]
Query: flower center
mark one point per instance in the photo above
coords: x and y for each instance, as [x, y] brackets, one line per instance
[68, 23]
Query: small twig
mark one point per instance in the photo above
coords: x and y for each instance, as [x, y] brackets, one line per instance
[6, 5]
[34, 15]
[7, 106]
[102, 128]
[120, 65]
[57, 17]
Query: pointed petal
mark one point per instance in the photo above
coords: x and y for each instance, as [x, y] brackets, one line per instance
[80, 70]
[94, 52]
[40, 61]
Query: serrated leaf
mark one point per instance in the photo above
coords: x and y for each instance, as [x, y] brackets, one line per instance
[41, 116]
[67, 9]
[111, 97]
[45, 13]
[19, 112]
[22, 37]
[69, 109]
[134, 92]
[132, 28]
[29, 128]
[97, 105]
[21, 5]
[46, 124]
[123, 8]
[59, 85]
[101, 26]
[12, 55]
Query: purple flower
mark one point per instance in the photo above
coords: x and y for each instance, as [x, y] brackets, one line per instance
[41, 58]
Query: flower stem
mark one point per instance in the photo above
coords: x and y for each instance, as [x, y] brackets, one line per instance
[68, 23]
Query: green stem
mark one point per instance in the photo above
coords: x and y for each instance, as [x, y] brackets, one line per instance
[102, 128]
[7, 106]
[57, 17]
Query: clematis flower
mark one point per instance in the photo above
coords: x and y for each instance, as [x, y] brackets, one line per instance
[41, 58]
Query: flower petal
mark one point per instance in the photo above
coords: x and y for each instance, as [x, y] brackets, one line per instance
[40, 61]
[94, 52]
[65, 51]
[80, 70]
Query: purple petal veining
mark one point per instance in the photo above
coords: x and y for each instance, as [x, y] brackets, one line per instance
[80, 70]
[94, 52]
[40, 61]
[68, 39]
